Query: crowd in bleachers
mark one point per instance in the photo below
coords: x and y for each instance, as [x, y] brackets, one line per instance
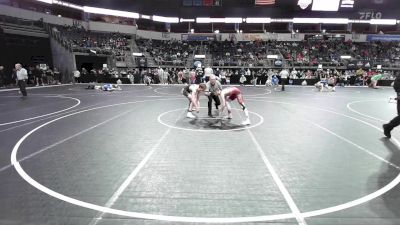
[244, 76]
[312, 52]
[365, 54]
[81, 40]
[385, 53]
[228, 53]
[300, 54]
[169, 52]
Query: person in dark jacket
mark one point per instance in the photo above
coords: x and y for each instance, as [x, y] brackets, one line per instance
[387, 128]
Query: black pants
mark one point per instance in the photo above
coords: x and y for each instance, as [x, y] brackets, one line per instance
[217, 102]
[283, 82]
[263, 79]
[223, 81]
[395, 121]
[22, 87]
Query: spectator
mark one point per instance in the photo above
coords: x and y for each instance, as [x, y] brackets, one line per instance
[38, 75]
[2, 78]
[22, 76]
[49, 76]
[57, 76]
[77, 76]
[242, 80]
[228, 76]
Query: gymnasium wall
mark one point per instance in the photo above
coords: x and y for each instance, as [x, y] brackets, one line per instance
[26, 50]
[63, 59]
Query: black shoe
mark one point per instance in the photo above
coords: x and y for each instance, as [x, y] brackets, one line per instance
[210, 115]
[386, 131]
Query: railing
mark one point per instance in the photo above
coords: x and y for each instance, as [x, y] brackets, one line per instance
[21, 22]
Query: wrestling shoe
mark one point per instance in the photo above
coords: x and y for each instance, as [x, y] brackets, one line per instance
[229, 116]
[246, 122]
[190, 115]
[386, 131]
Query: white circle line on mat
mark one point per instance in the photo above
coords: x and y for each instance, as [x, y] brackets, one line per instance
[159, 119]
[77, 202]
[78, 102]
[362, 114]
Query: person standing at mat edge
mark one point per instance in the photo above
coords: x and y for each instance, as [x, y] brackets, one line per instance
[22, 76]
[284, 75]
[2, 77]
[387, 128]
[213, 89]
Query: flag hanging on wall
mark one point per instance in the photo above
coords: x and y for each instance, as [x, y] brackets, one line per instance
[208, 2]
[264, 2]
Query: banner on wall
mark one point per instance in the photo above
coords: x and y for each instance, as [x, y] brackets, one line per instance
[355, 36]
[295, 36]
[259, 36]
[165, 35]
[233, 38]
[374, 37]
[197, 2]
[198, 37]
[252, 37]
[206, 3]
[271, 36]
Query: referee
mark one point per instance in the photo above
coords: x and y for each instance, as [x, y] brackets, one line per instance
[213, 89]
[284, 75]
[22, 76]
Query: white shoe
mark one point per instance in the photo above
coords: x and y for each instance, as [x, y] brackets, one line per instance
[229, 116]
[246, 122]
[190, 115]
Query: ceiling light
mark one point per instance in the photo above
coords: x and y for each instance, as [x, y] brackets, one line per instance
[258, 20]
[110, 12]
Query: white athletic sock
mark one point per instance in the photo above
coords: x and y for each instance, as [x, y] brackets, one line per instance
[228, 106]
[246, 112]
